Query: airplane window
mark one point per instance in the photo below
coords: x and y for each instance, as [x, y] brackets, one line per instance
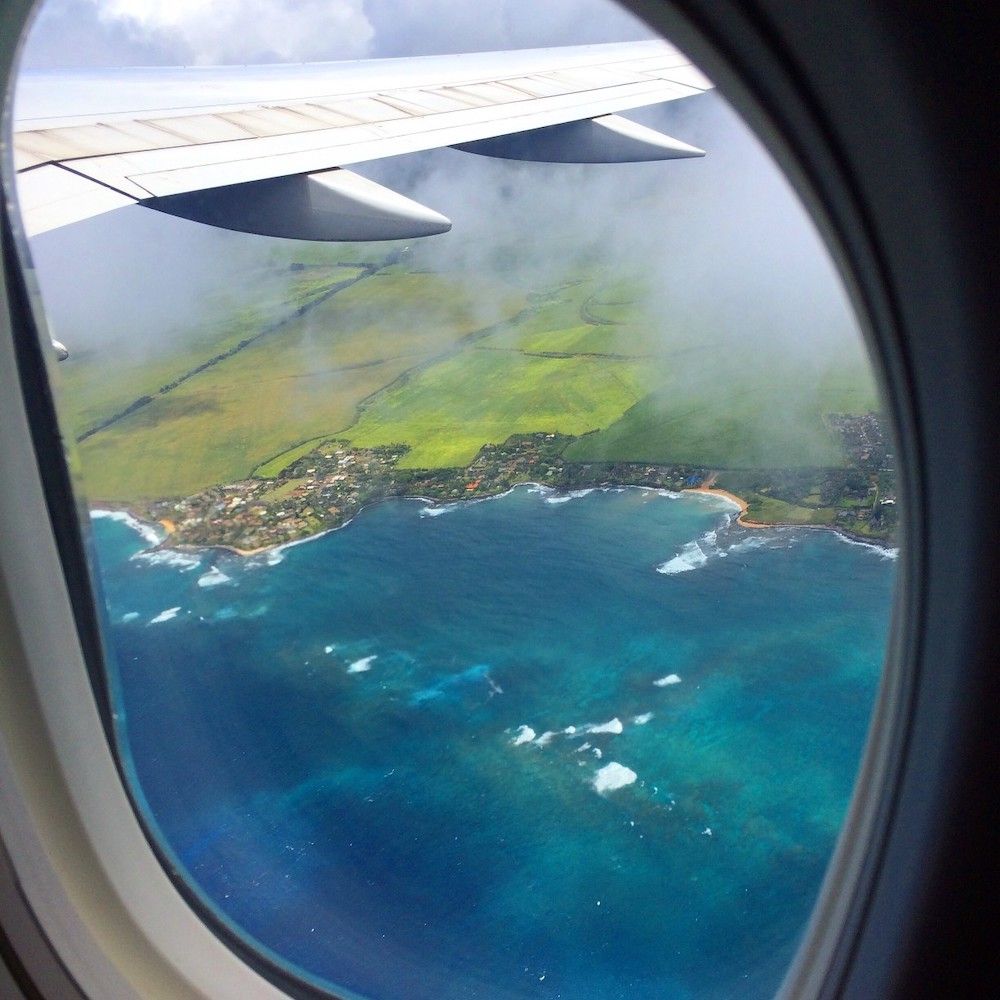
[494, 525]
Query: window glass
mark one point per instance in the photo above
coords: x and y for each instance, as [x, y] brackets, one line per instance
[494, 613]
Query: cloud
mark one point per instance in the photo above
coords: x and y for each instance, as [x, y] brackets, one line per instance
[72, 33]
[252, 31]
[75, 33]
[404, 28]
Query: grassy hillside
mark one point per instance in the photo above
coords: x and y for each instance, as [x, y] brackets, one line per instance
[303, 380]
[447, 412]
[445, 363]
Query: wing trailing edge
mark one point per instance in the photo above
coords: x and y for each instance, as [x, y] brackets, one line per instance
[272, 167]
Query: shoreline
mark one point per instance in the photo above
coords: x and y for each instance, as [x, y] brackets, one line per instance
[109, 507]
[744, 522]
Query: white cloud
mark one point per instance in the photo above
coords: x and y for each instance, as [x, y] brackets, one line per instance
[228, 31]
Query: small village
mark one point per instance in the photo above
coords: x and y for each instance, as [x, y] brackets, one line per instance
[331, 484]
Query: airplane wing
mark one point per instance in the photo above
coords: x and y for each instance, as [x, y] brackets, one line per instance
[263, 149]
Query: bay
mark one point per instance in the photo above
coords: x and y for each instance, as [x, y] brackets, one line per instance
[593, 745]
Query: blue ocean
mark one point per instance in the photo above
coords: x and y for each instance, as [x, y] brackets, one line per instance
[590, 745]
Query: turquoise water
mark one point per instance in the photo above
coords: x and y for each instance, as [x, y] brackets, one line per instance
[374, 752]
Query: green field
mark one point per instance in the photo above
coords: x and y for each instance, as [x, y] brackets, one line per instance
[447, 412]
[771, 511]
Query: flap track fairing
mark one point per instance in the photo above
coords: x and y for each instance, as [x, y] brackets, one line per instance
[333, 206]
[607, 139]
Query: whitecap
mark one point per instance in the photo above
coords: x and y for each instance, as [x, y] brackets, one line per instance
[641, 720]
[613, 726]
[597, 752]
[663, 682]
[569, 730]
[436, 511]
[880, 550]
[130, 616]
[363, 665]
[690, 557]
[748, 544]
[525, 734]
[164, 616]
[545, 739]
[669, 494]
[571, 495]
[613, 776]
[149, 532]
[213, 578]
[328, 649]
[184, 561]
[582, 747]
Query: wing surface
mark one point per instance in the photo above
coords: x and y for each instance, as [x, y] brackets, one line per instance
[261, 149]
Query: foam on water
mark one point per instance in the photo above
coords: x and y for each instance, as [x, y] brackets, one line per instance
[748, 544]
[437, 511]
[663, 682]
[165, 616]
[184, 561]
[213, 578]
[690, 557]
[129, 616]
[571, 495]
[613, 776]
[545, 739]
[363, 665]
[641, 720]
[149, 532]
[880, 550]
[613, 726]
[524, 734]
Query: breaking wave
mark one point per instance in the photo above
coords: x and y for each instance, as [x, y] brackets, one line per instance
[663, 682]
[437, 511]
[571, 495]
[213, 578]
[165, 616]
[149, 532]
[363, 665]
[880, 550]
[613, 776]
[691, 556]
[524, 734]
[184, 561]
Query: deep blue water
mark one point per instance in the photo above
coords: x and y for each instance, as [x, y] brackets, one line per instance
[386, 830]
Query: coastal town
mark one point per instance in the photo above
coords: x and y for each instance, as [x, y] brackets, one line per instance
[327, 487]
